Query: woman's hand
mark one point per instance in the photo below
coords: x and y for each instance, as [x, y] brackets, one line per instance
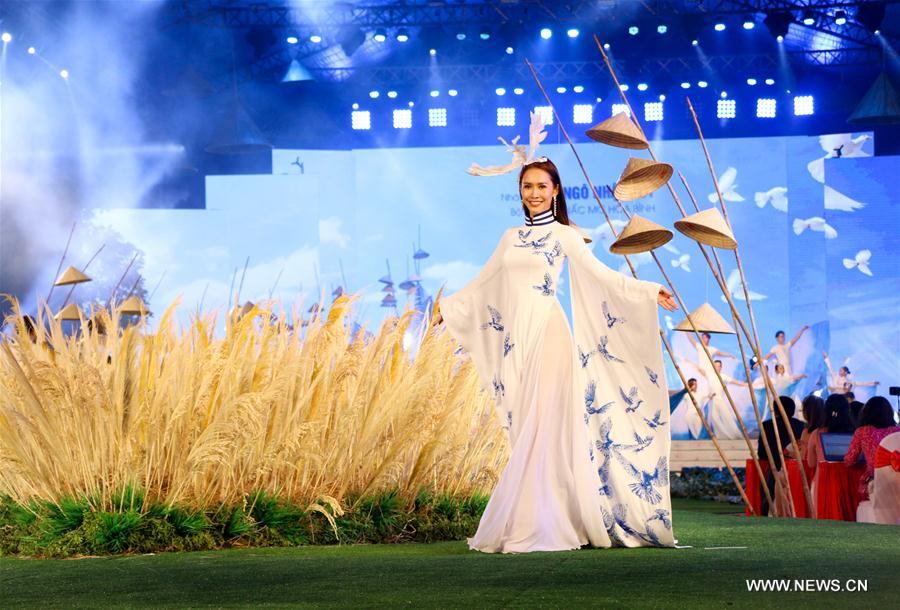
[666, 300]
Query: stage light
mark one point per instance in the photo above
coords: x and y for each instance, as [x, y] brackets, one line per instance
[642, 86]
[461, 36]
[723, 95]
[392, 94]
[606, 46]
[695, 42]
[578, 89]
[617, 108]
[361, 119]
[870, 15]
[374, 95]
[685, 85]
[765, 108]
[64, 74]
[779, 38]
[432, 52]
[719, 27]
[6, 37]
[599, 100]
[702, 84]
[292, 40]
[653, 111]
[662, 28]
[403, 119]
[840, 17]
[434, 93]
[484, 34]
[573, 32]
[402, 35]
[662, 97]
[506, 117]
[725, 109]
[32, 50]
[350, 40]
[518, 91]
[751, 81]
[809, 17]
[633, 30]
[411, 104]
[804, 105]
[623, 87]
[546, 114]
[315, 39]
[509, 50]
[437, 117]
[560, 89]
[500, 91]
[749, 24]
[546, 33]
[452, 92]
[582, 114]
[380, 35]
[778, 23]
[355, 106]
[770, 81]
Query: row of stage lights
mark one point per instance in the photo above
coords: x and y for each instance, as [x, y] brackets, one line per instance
[583, 114]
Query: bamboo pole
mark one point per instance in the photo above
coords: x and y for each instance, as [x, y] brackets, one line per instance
[62, 259]
[112, 294]
[674, 292]
[763, 369]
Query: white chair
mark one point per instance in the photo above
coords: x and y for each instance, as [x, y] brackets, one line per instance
[885, 497]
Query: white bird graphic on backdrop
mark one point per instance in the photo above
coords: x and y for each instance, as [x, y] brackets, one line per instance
[861, 262]
[682, 262]
[775, 196]
[835, 200]
[737, 291]
[602, 232]
[641, 258]
[816, 223]
[727, 186]
[671, 248]
[836, 145]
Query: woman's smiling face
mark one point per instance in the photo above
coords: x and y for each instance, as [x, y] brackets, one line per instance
[537, 191]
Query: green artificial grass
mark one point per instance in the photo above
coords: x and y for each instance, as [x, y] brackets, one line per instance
[448, 575]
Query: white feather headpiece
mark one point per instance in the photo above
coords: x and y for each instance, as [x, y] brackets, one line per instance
[520, 155]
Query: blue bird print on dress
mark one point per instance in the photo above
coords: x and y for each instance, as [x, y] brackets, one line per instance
[663, 517]
[584, 357]
[655, 422]
[640, 443]
[509, 419]
[589, 395]
[507, 345]
[496, 320]
[647, 482]
[534, 244]
[654, 378]
[551, 255]
[630, 399]
[603, 351]
[523, 235]
[611, 320]
[499, 390]
[547, 287]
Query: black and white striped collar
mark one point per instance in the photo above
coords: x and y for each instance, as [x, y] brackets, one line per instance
[544, 218]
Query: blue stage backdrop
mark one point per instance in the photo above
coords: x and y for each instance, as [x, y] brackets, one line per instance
[805, 212]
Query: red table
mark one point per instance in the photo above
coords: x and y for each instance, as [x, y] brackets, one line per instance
[837, 490]
[754, 495]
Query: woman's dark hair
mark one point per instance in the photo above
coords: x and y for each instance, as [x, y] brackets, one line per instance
[813, 412]
[837, 415]
[844, 368]
[562, 212]
[856, 408]
[780, 332]
[878, 413]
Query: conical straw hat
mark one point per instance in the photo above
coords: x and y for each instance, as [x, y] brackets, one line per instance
[584, 235]
[69, 312]
[246, 308]
[71, 276]
[641, 177]
[707, 320]
[708, 227]
[133, 306]
[640, 235]
[618, 130]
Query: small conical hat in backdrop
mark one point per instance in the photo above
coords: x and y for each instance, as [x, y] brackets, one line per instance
[246, 308]
[584, 235]
[707, 320]
[71, 276]
[708, 227]
[133, 306]
[640, 178]
[618, 130]
[640, 235]
[69, 312]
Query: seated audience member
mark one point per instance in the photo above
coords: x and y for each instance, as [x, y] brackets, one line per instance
[813, 410]
[780, 445]
[837, 421]
[856, 408]
[877, 422]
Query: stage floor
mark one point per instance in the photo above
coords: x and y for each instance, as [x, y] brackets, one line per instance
[725, 550]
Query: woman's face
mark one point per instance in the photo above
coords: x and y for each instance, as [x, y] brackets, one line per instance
[538, 191]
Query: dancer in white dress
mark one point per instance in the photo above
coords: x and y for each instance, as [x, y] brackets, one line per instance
[686, 410]
[587, 416]
[782, 350]
[719, 414]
